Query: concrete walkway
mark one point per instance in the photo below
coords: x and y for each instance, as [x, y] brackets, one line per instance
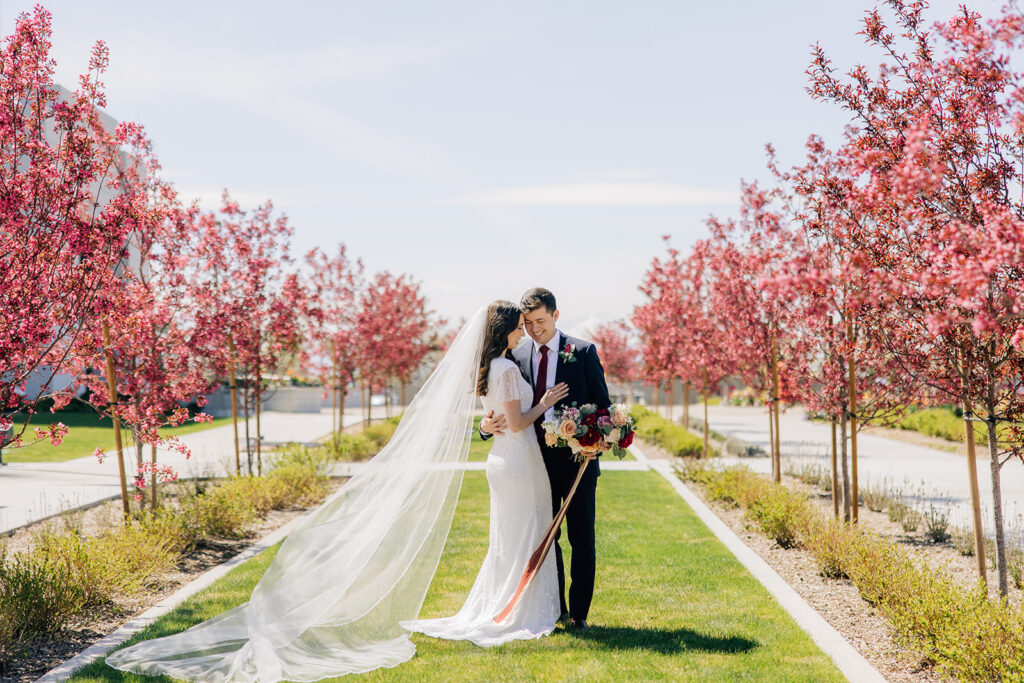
[926, 475]
[34, 491]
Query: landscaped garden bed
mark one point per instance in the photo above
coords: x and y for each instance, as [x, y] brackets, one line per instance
[73, 579]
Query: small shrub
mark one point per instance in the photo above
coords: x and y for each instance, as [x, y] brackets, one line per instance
[876, 496]
[832, 544]
[40, 592]
[780, 513]
[811, 473]
[911, 521]
[963, 541]
[743, 449]
[1015, 563]
[936, 525]
[896, 510]
[218, 513]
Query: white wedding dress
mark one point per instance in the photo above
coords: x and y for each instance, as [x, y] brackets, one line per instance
[520, 515]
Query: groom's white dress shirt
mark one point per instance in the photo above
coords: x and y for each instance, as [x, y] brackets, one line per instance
[549, 414]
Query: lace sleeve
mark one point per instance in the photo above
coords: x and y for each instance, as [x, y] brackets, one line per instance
[509, 387]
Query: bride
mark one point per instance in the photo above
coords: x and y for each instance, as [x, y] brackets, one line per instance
[345, 588]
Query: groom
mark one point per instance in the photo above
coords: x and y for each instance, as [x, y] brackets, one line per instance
[551, 358]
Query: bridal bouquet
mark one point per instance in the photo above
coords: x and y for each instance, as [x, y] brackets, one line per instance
[589, 430]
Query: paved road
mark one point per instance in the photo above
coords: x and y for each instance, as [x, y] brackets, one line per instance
[928, 475]
[32, 491]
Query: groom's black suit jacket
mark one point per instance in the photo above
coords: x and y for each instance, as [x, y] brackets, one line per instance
[585, 378]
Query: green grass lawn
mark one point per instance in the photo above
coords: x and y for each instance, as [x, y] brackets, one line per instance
[87, 432]
[671, 604]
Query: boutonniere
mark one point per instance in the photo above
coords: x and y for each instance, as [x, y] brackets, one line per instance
[568, 354]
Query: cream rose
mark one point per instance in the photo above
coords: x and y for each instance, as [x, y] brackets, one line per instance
[550, 439]
[619, 417]
[567, 429]
[575, 445]
[614, 435]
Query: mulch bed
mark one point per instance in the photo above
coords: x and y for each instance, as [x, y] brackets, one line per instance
[44, 655]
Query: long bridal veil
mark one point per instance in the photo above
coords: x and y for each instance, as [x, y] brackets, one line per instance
[332, 599]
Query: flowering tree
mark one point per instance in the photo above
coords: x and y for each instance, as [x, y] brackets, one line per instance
[395, 331]
[335, 284]
[156, 361]
[65, 217]
[618, 354]
[938, 215]
[829, 325]
[746, 254]
[248, 308]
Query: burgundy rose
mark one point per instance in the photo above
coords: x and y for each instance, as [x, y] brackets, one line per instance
[590, 419]
[626, 441]
[591, 438]
[603, 412]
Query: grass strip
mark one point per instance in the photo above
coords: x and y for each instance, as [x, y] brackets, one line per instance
[671, 603]
[87, 432]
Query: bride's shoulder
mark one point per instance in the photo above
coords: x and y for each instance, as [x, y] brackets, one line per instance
[501, 363]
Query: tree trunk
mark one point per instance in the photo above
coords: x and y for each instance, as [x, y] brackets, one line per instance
[852, 398]
[835, 474]
[771, 435]
[972, 476]
[846, 472]
[341, 408]
[152, 478]
[258, 399]
[777, 468]
[997, 502]
[234, 403]
[112, 397]
[686, 405]
[248, 439]
[137, 444]
[707, 430]
[334, 407]
[405, 385]
[778, 446]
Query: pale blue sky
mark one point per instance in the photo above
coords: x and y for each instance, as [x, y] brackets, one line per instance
[484, 147]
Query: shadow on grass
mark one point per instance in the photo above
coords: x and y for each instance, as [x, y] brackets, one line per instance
[662, 641]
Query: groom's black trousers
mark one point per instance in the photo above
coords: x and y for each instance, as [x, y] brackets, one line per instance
[579, 523]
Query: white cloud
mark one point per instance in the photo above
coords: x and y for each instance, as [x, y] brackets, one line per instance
[601, 194]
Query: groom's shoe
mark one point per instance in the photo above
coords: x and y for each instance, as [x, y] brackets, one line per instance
[574, 624]
[563, 618]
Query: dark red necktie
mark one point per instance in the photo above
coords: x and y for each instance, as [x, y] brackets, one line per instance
[539, 387]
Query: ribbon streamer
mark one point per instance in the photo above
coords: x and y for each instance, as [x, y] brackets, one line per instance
[537, 559]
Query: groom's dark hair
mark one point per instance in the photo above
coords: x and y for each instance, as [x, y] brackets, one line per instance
[537, 297]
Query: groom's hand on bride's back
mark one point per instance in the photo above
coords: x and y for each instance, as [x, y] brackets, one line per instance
[492, 424]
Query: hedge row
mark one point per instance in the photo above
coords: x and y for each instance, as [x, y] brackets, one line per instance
[962, 632]
[673, 438]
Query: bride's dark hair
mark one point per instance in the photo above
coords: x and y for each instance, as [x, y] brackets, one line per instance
[502, 319]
